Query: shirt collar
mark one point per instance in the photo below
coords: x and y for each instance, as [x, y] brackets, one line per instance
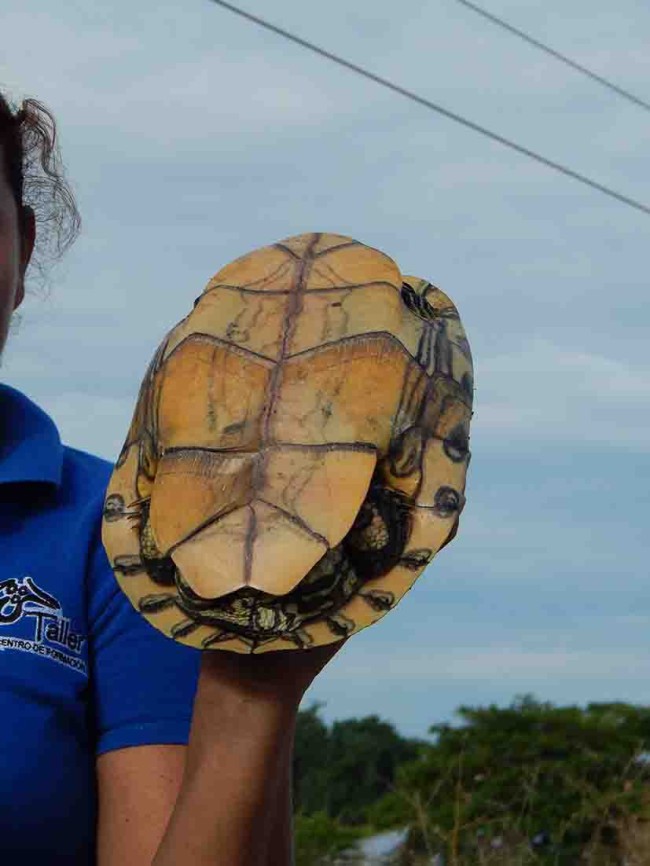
[30, 445]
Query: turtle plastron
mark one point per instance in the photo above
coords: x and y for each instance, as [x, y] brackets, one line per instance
[297, 453]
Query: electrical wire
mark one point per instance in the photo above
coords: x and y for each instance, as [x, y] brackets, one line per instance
[568, 172]
[609, 84]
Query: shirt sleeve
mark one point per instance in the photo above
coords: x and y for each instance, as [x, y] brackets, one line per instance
[142, 683]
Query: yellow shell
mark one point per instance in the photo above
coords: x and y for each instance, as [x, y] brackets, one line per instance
[298, 451]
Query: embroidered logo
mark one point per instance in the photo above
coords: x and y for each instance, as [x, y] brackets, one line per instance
[54, 636]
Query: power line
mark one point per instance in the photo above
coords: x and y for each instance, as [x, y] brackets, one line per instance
[438, 108]
[610, 85]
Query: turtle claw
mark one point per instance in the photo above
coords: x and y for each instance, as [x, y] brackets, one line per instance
[184, 628]
[299, 637]
[416, 559]
[128, 565]
[220, 637]
[340, 625]
[156, 602]
[378, 599]
[138, 503]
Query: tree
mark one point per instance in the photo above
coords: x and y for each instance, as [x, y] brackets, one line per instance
[342, 770]
[318, 839]
[518, 771]
[364, 755]
[310, 763]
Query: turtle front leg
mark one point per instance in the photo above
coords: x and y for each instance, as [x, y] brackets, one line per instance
[378, 599]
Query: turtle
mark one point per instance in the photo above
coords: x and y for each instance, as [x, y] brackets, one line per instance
[298, 450]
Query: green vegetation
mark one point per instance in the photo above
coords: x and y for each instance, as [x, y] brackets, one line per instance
[344, 769]
[528, 784]
[319, 838]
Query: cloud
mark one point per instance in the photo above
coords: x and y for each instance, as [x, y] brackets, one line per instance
[547, 392]
[146, 88]
[435, 664]
[83, 418]
[193, 136]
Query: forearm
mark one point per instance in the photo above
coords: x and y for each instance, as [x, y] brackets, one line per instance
[280, 841]
[234, 806]
[227, 810]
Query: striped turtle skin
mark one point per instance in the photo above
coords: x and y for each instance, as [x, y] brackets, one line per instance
[298, 450]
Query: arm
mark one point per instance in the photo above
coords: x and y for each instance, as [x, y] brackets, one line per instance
[138, 788]
[221, 817]
[238, 761]
[228, 793]
[280, 841]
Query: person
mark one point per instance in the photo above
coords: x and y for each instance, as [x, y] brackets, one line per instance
[119, 746]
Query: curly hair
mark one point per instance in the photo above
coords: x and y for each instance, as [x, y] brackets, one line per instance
[32, 163]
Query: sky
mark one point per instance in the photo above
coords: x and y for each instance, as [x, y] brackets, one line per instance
[192, 137]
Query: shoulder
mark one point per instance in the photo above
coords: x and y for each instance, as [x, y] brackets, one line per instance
[82, 490]
[39, 470]
[85, 473]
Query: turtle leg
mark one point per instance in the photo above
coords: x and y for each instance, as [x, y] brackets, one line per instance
[300, 637]
[156, 602]
[222, 637]
[184, 628]
[378, 599]
[341, 625]
[417, 559]
[136, 510]
[139, 502]
[128, 564]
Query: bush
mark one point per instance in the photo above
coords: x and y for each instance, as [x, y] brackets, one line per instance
[318, 839]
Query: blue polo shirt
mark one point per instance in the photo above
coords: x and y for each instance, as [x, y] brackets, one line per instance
[81, 672]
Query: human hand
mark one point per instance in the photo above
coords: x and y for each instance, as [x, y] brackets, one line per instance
[280, 677]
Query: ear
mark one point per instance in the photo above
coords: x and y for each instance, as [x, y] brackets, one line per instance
[27, 239]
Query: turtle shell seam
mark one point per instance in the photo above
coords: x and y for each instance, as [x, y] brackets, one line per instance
[322, 291]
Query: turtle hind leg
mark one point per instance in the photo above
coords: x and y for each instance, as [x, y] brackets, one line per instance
[301, 638]
[223, 636]
[340, 625]
[219, 636]
[379, 534]
[184, 628]
[138, 512]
